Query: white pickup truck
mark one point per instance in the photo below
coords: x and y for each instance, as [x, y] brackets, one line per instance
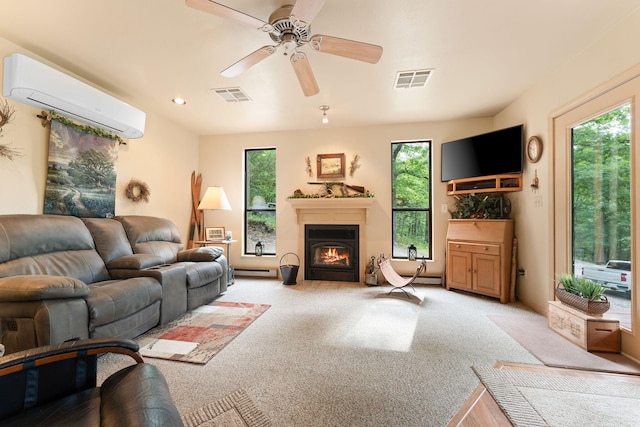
[614, 275]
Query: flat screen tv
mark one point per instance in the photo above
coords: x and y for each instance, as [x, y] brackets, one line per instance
[494, 153]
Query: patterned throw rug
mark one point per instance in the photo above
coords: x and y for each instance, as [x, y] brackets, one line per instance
[533, 399]
[199, 335]
[235, 410]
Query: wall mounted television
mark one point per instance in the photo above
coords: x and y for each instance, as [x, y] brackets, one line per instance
[493, 153]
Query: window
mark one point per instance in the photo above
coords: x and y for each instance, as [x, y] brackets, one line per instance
[260, 200]
[411, 198]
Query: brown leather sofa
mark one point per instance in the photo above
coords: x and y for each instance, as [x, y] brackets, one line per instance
[56, 385]
[64, 278]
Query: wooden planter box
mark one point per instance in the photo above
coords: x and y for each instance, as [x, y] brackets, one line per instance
[590, 333]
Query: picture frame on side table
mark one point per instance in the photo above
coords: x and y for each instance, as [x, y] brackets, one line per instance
[214, 233]
[331, 165]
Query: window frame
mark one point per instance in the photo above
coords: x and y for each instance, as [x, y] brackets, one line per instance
[427, 210]
[247, 209]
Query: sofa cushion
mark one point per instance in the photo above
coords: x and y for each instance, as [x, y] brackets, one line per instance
[49, 244]
[109, 237]
[201, 273]
[117, 299]
[151, 235]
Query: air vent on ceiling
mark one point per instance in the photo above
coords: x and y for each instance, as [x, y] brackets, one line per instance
[232, 94]
[415, 78]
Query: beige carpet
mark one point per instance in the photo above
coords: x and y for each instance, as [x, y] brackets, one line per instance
[235, 410]
[546, 399]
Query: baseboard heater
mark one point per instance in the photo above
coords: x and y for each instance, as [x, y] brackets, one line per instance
[431, 279]
[255, 272]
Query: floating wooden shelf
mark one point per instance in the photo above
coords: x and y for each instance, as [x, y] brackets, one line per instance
[485, 184]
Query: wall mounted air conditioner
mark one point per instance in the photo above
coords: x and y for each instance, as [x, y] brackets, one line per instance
[29, 81]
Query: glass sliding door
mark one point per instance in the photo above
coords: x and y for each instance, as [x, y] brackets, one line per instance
[596, 184]
[601, 206]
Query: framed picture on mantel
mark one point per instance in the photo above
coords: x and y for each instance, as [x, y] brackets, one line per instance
[331, 165]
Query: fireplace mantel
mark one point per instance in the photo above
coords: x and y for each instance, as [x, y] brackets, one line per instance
[333, 210]
[339, 208]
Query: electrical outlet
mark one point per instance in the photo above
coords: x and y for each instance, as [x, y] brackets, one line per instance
[444, 208]
[522, 272]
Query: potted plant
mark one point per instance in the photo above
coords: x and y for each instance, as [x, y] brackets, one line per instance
[475, 206]
[582, 294]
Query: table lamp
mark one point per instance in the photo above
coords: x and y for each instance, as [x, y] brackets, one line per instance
[214, 199]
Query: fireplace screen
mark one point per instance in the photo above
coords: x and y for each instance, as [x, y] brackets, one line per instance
[331, 252]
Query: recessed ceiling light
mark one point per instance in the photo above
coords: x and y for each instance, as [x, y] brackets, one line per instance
[179, 101]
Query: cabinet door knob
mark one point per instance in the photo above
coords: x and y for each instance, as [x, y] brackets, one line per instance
[485, 248]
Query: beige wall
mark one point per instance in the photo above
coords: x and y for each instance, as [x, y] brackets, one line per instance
[579, 76]
[221, 163]
[164, 159]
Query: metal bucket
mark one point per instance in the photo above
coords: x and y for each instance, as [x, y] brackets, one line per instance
[289, 271]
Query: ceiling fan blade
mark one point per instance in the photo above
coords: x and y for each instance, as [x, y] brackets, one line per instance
[248, 61]
[304, 11]
[225, 12]
[305, 76]
[348, 48]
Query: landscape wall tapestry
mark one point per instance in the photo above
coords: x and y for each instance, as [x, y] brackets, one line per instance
[81, 177]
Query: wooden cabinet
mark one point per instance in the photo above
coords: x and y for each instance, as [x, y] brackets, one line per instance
[479, 256]
[485, 184]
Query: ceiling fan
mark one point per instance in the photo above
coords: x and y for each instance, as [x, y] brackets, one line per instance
[289, 27]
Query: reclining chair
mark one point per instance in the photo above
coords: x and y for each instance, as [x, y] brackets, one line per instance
[55, 385]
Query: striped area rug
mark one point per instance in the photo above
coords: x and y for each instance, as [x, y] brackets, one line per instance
[235, 410]
[533, 399]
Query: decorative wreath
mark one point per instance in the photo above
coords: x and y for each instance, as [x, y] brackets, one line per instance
[137, 191]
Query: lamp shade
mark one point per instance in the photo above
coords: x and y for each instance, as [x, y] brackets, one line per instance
[214, 198]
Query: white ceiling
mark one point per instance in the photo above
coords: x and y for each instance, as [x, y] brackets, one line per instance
[484, 53]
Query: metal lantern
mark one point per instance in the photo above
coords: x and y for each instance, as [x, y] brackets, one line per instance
[413, 252]
[259, 249]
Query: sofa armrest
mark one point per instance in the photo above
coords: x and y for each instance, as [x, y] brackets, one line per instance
[137, 395]
[69, 350]
[135, 262]
[41, 287]
[203, 254]
[35, 377]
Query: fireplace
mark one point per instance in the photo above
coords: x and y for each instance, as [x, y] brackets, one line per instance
[331, 252]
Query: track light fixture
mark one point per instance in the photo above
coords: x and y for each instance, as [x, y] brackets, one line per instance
[324, 109]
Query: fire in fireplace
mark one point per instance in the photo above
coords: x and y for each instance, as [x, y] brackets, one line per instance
[331, 252]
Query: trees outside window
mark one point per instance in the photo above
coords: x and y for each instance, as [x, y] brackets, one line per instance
[260, 200]
[411, 198]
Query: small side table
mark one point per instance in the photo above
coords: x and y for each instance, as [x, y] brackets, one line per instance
[227, 245]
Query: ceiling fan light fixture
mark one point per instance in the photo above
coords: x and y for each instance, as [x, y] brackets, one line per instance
[325, 118]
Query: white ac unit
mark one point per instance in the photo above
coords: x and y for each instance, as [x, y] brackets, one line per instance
[29, 81]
